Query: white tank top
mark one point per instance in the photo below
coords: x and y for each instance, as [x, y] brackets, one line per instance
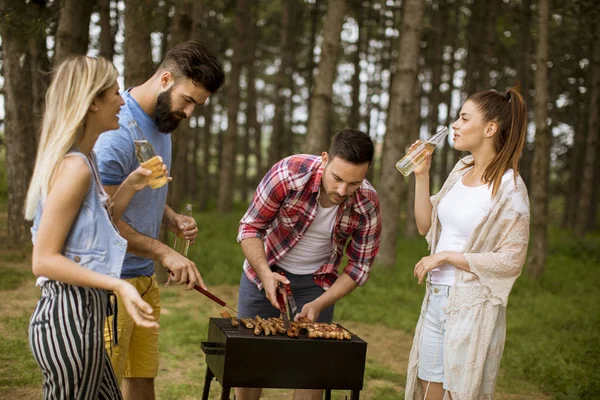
[314, 247]
[459, 213]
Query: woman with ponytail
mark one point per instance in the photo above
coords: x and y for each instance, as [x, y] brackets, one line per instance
[78, 253]
[477, 227]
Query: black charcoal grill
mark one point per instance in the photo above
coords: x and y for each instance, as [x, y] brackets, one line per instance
[238, 358]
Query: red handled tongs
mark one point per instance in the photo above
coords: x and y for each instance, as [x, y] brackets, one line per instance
[285, 298]
[212, 297]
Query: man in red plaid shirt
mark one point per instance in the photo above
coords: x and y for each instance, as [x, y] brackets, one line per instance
[306, 211]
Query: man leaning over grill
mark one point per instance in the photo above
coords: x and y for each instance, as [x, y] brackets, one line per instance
[303, 213]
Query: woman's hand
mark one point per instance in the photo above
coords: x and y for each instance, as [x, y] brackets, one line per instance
[426, 264]
[425, 166]
[140, 311]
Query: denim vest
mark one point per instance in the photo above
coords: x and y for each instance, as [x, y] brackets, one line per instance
[93, 241]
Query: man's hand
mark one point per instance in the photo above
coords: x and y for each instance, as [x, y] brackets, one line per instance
[310, 310]
[270, 283]
[184, 226]
[184, 270]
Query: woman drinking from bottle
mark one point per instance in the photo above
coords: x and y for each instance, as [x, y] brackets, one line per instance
[78, 253]
[477, 227]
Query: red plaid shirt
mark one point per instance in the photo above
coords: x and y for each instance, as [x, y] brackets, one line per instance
[285, 204]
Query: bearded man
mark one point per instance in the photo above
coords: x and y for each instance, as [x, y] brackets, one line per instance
[188, 75]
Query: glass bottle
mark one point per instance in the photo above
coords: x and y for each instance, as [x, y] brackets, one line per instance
[180, 244]
[147, 157]
[417, 155]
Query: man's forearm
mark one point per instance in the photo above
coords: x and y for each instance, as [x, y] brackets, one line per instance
[343, 286]
[140, 244]
[254, 251]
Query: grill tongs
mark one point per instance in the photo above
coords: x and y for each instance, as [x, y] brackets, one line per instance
[211, 296]
[287, 304]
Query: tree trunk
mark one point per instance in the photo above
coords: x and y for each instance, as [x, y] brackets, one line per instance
[205, 178]
[137, 49]
[524, 78]
[474, 33]
[541, 156]
[107, 30]
[410, 225]
[398, 126]
[354, 118]
[318, 123]
[435, 95]
[310, 65]
[229, 152]
[72, 36]
[180, 32]
[591, 145]
[253, 139]
[451, 13]
[279, 136]
[17, 30]
[39, 62]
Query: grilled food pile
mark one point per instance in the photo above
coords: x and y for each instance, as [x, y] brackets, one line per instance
[274, 326]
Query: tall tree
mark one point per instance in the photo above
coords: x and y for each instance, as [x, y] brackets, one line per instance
[435, 95]
[72, 36]
[591, 145]
[398, 126]
[137, 49]
[354, 118]
[475, 32]
[108, 30]
[180, 32]
[524, 78]
[279, 135]
[21, 37]
[229, 151]
[541, 156]
[253, 137]
[322, 94]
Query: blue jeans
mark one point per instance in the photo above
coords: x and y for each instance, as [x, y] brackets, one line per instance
[253, 302]
[431, 354]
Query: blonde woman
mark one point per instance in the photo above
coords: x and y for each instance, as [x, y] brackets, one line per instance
[78, 253]
[477, 228]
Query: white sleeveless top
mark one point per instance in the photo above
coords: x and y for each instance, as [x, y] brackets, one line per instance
[459, 213]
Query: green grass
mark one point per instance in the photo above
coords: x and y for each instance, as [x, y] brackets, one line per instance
[552, 335]
[553, 340]
[12, 278]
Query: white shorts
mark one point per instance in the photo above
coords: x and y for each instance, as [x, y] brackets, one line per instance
[431, 353]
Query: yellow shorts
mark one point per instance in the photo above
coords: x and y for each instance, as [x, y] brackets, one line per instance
[136, 354]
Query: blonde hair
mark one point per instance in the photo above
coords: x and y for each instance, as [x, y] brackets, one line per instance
[76, 83]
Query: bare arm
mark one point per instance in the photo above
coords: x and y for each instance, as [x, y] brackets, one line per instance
[343, 286]
[183, 269]
[423, 204]
[254, 251]
[62, 204]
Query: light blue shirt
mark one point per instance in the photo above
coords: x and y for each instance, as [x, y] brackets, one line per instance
[116, 160]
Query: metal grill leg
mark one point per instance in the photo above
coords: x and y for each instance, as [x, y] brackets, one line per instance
[355, 395]
[225, 393]
[327, 394]
[207, 379]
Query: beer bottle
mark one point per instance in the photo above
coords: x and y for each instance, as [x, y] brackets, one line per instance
[180, 244]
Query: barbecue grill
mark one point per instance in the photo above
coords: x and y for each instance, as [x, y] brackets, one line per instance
[238, 358]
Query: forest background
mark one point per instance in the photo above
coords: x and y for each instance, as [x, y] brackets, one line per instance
[297, 72]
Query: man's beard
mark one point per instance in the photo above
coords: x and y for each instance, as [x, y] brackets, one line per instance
[167, 120]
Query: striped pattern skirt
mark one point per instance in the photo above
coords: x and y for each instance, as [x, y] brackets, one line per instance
[66, 336]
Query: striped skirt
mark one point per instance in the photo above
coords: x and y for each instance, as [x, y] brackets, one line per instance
[66, 336]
